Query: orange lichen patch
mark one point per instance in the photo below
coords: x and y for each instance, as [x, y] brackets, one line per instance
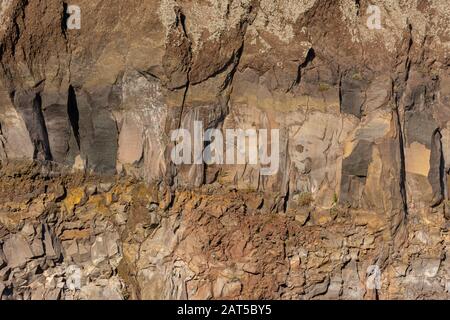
[74, 197]
[97, 203]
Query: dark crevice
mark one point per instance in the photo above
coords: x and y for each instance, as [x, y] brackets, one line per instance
[402, 162]
[408, 51]
[358, 6]
[64, 18]
[181, 20]
[74, 115]
[400, 126]
[309, 58]
[40, 138]
[286, 199]
[12, 96]
[149, 75]
[39, 83]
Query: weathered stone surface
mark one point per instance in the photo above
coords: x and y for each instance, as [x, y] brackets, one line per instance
[363, 176]
[17, 251]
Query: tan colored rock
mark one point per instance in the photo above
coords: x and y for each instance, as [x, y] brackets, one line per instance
[17, 251]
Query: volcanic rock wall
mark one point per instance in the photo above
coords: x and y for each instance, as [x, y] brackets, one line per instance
[364, 149]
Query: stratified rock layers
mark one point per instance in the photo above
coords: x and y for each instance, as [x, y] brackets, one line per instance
[364, 149]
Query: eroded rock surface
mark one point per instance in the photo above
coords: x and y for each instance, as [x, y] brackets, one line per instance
[89, 191]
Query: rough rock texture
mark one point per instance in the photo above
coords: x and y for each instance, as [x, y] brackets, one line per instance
[87, 185]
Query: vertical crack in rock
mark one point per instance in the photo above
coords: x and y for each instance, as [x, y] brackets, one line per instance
[178, 78]
[3, 154]
[358, 7]
[402, 173]
[399, 225]
[181, 22]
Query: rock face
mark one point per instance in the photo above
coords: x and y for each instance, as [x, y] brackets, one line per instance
[95, 208]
